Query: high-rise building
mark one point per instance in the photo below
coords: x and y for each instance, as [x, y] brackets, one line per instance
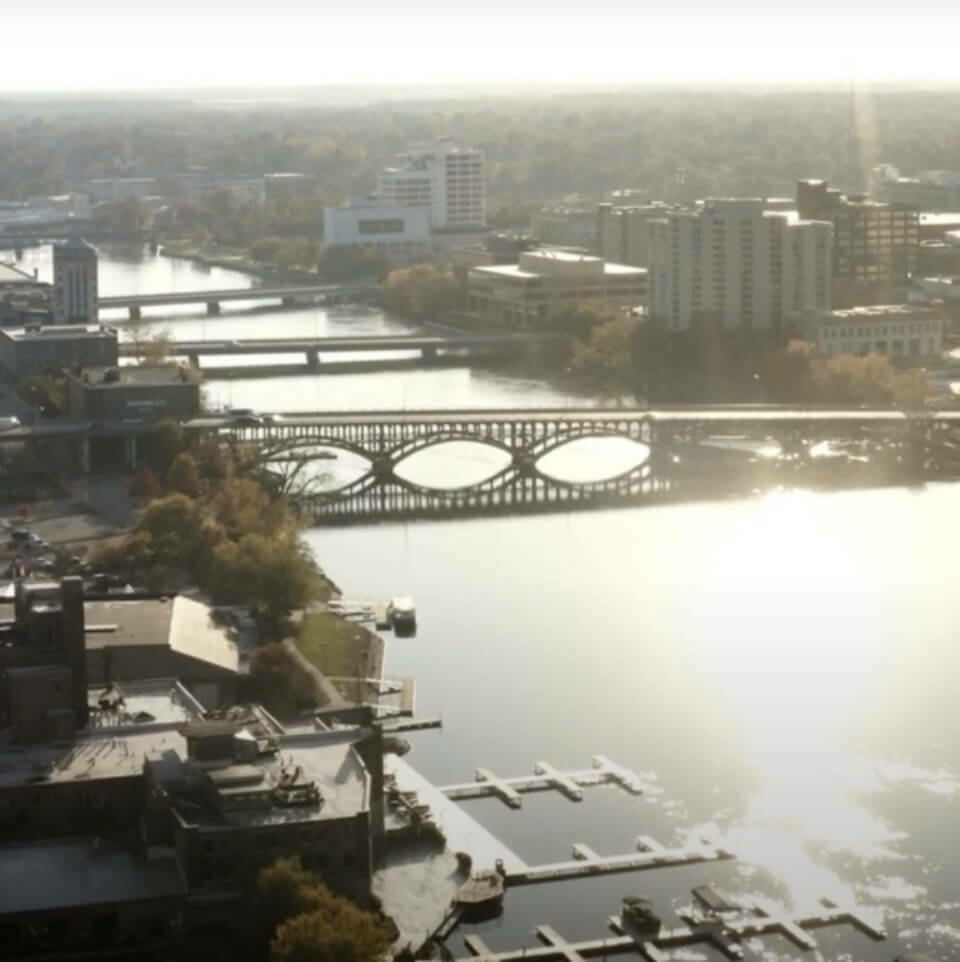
[739, 264]
[623, 233]
[74, 282]
[448, 179]
[875, 245]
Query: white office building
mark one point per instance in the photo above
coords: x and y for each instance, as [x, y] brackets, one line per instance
[738, 263]
[447, 179]
[401, 235]
[74, 282]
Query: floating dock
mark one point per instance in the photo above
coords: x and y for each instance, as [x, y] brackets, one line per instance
[725, 935]
[586, 862]
[547, 778]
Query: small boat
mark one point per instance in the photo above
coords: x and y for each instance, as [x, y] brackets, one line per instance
[481, 894]
[402, 616]
[639, 917]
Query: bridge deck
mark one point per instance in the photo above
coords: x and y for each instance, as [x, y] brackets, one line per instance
[298, 345]
[232, 294]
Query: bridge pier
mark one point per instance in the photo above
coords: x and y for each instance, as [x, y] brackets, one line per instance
[428, 353]
[213, 307]
[194, 360]
[313, 360]
[84, 452]
[288, 301]
[134, 312]
[130, 452]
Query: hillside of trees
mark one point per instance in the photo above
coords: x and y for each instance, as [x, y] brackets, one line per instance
[676, 144]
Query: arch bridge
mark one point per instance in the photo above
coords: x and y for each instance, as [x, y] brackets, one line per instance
[673, 459]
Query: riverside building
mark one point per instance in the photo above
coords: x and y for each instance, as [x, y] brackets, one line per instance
[739, 264]
[545, 283]
[74, 282]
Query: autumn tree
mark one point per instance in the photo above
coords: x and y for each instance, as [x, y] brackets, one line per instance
[604, 357]
[183, 476]
[421, 292]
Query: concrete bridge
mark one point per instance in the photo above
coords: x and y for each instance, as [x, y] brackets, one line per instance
[429, 346]
[677, 454]
[288, 296]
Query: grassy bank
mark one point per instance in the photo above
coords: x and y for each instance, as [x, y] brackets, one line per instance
[340, 648]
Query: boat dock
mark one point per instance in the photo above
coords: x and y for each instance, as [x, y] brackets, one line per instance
[404, 689]
[546, 778]
[586, 862]
[725, 935]
[392, 727]
[462, 832]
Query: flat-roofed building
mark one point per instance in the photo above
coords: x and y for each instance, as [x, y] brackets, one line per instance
[75, 294]
[39, 349]
[400, 235]
[446, 178]
[566, 227]
[133, 392]
[899, 330]
[623, 233]
[737, 264]
[545, 283]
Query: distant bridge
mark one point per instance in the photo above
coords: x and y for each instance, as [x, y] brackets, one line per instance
[288, 296]
[312, 347]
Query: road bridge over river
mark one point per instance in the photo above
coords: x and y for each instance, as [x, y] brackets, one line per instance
[288, 296]
[313, 348]
[678, 453]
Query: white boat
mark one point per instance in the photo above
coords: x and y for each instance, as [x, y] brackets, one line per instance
[402, 615]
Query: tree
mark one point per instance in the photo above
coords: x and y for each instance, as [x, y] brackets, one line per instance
[335, 931]
[46, 392]
[124, 216]
[273, 575]
[605, 359]
[183, 475]
[164, 443]
[911, 389]
[852, 379]
[279, 681]
[421, 292]
[173, 525]
[284, 888]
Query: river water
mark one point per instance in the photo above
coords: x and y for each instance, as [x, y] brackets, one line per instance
[784, 665]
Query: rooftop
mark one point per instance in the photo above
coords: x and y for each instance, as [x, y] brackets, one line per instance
[13, 275]
[881, 312]
[105, 378]
[68, 873]
[183, 624]
[59, 332]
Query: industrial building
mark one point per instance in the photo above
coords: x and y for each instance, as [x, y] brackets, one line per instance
[132, 817]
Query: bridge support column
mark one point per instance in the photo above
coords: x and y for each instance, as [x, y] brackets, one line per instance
[194, 360]
[288, 301]
[428, 353]
[134, 312]
[130, 452]
[84, 454]
[213, 307]
[313, 360]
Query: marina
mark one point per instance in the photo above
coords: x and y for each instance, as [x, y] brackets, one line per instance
[725, 935]
[546, 778]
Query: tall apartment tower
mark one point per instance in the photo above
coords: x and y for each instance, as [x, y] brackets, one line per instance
[74, 282]
[735, 262]
[449, 179]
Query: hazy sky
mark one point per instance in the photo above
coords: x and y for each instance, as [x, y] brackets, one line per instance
[136, 44]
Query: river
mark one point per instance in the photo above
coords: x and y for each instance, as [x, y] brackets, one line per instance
[784, 665]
